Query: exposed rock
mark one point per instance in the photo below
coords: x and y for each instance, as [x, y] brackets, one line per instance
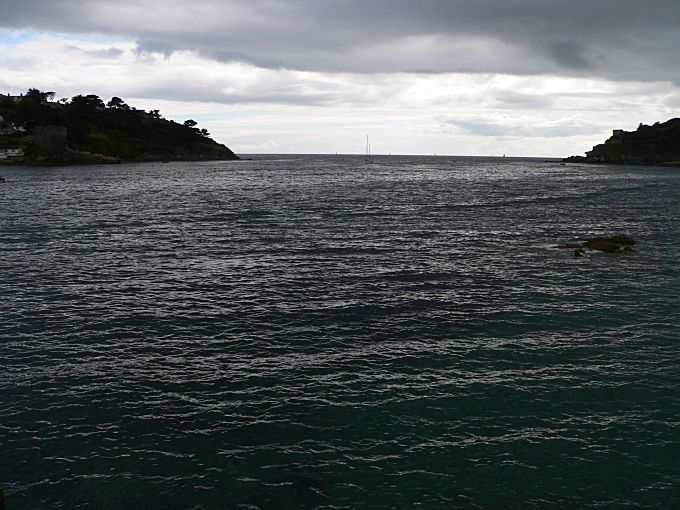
[611, 244]
[602, 244]
[622, 239]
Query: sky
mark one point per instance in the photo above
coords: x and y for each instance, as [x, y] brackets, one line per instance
[461, 77]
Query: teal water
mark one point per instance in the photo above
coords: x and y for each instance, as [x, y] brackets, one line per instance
[313, 332]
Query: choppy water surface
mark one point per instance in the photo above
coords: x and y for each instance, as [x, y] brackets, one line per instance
[312, 332]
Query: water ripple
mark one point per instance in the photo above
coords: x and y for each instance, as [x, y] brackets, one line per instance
[311, 332]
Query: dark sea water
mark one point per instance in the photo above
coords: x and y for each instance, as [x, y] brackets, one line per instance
[316, 333]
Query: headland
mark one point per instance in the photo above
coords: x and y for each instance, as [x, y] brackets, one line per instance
[35, 130]
[658, 144]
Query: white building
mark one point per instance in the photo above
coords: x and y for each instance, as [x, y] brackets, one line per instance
[15, 99]
[15, 152]
[12, 130]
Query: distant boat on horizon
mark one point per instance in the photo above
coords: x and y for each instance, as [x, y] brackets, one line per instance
[368, 158]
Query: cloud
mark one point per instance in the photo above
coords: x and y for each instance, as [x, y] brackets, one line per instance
[571, 54]
[526, 128]
[111, 52]
[615, 39]
[513, 100]
[444, 76]
[147, 47]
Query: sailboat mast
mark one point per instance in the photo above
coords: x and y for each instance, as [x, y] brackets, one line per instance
[368, 158]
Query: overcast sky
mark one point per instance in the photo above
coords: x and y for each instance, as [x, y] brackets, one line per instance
[473, 77]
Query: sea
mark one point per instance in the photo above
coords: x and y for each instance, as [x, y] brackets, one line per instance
[314, 332]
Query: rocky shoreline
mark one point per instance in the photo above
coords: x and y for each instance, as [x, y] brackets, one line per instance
[78, 158]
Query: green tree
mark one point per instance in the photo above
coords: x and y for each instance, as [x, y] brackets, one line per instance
[117, 104]
[89, 104]
[38, 96]
[33, 109]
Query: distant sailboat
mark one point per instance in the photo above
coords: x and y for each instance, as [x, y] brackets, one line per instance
[368, 158]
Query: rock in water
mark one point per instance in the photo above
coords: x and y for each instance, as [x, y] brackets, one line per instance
[610, 244]
[602, 244]
[623, 240]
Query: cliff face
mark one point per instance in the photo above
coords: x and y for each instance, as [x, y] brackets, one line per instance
[648, 145]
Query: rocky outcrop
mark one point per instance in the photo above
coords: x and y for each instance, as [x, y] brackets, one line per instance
[648, 145]
[611, 244]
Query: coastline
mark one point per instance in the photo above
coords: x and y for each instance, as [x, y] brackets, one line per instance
[584, 160]
[77, 158]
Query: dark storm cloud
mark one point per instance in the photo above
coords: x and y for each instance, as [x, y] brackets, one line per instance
[571, 55]
[620, 39]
